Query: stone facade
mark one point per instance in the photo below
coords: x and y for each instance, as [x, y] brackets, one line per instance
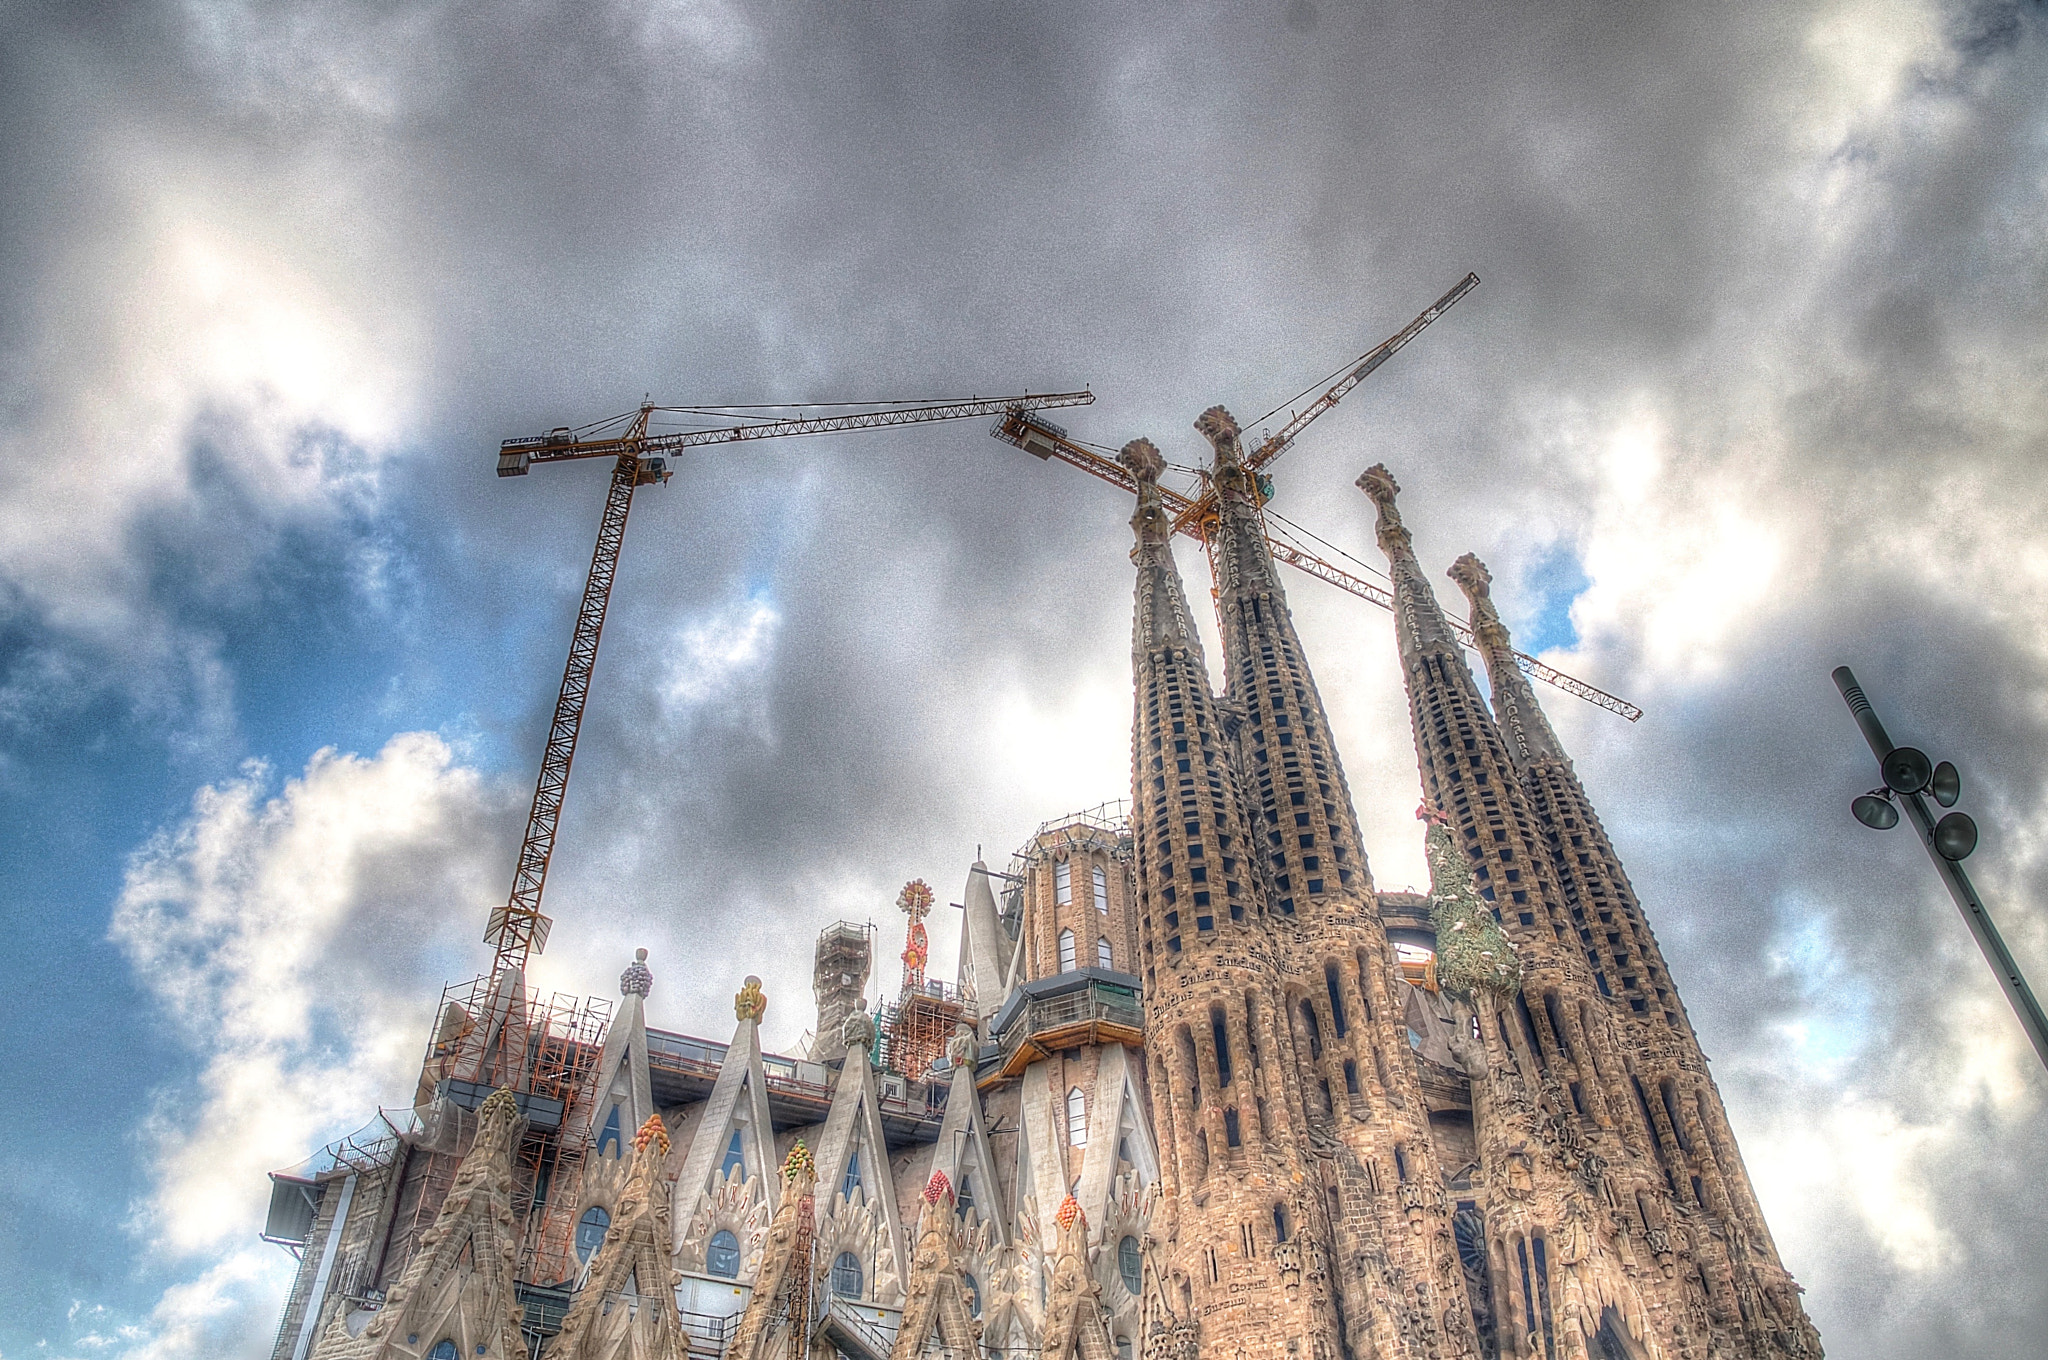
[1211, 1092]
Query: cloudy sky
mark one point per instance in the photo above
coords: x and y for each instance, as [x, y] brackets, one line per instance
[1753, 386]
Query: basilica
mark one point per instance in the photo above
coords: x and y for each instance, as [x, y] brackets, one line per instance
[1196, 1087]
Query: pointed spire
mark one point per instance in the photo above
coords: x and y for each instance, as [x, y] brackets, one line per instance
[984, 944]
[1162, 610]
[1243, 561]
[1418, 620]
[1521, 719]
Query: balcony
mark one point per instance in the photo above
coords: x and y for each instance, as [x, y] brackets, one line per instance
[1069, 1010]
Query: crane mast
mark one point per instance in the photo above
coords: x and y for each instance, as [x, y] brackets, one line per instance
[519, 930]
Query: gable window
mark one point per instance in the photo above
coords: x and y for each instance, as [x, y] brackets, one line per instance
[610, 1137]
[1066, 951]
[1101, 890]
[1077, 1118]
[1103, 957]
[846, 1276]
[973, 1287]
[1130, 1265]
[444, 1349]
[735, 1160]
[1063, 883]
[590, 1230]
[722, 1257]
[850, 1182]
[965, 1200]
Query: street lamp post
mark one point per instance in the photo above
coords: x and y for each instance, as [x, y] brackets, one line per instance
[1909, 777]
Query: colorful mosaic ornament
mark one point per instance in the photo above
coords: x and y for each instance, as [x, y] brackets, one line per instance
[653, 1131]
[1473, 954]
[937, 1188]
[1070, 1209]
[798, 1161]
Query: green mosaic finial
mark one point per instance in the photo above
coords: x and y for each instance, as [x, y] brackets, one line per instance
[1473, 954]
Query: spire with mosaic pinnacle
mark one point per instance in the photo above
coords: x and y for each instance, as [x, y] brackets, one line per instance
[1689, 1134]
[1231, 1135]
[1514, 703]
[1309, 848]
[1628, 1150]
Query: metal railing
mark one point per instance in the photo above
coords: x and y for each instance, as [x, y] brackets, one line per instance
[1100, 1001]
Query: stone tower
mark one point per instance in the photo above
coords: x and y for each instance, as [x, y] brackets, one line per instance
[1738, 1290]
[1226, 1106]
[1367, 1117]
[1593, 1112]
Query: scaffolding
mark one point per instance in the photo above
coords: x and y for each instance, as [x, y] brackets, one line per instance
[489, 1037]
[917, 1024]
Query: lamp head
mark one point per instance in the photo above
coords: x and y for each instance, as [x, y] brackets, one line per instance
[1955, 836]
[1945, 784]
[1906, 770]
[1874, 812]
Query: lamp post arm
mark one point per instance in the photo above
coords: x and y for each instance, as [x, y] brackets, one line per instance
[2010, 979]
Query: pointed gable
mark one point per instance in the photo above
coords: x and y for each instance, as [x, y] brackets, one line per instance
[962, 1153]
[458, 1285]
[1117, 1130]
[728, 1182]
[857, 1209]
[625, 1086]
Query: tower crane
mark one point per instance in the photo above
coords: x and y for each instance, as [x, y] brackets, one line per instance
[640, 458]
[1195, 514]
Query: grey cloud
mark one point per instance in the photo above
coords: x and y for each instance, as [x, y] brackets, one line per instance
[1830, 300]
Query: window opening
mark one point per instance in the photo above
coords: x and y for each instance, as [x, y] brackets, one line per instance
[1101, 890]
[1104, 958]
[1077, 1118]
[590, 1230]
[1130, 1265]
[1066, 951]
[722, 1256]
[1063, 882]
[735, 1160]
[846, 1276]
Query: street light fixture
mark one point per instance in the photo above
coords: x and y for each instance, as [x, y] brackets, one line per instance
[1908, 777]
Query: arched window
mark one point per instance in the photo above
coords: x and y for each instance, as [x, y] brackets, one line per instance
[973, 1294]
[1103, 957]
[1077, 1118]
[722, 1257]
[444, 1349]
[590, 1230]
[1123, 1348]
[1066, 951]
[1130, 1265]
[846, 1279]
[610, 1137]
[1101, 890]
[1063, 882]
[735, 1160]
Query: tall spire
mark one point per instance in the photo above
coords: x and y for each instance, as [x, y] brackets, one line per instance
[1521, 719]
[1309, 846]
[1229, 1127]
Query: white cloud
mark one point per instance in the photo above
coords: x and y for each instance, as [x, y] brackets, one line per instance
[295, 938]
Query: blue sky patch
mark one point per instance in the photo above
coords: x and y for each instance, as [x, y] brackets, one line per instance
[1549, 587]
